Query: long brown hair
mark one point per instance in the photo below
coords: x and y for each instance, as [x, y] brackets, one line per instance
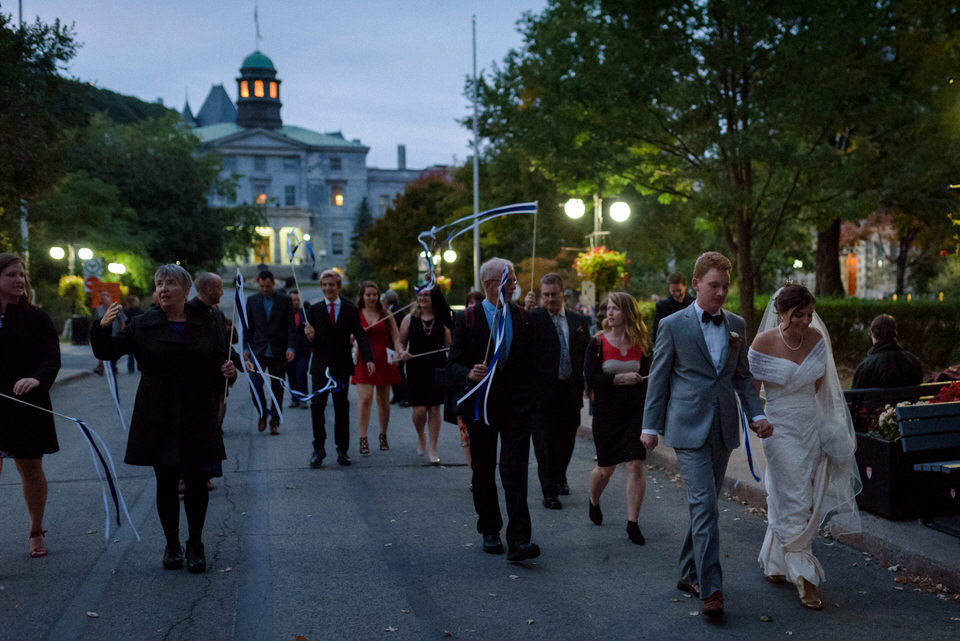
[363, 290]
[636, 330]
[9, 259]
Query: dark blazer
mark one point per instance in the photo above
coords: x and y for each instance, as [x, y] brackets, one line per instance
[331, 345]
[513, 384]
[29, 348]
[300, 343]
[175, 417]
[220, 322]
[277, 332]
[548, 355]
[665, 307]
[888, 365]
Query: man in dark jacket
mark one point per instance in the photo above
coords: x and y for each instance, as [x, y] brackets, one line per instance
[270, 337]
[508, 409]
[677, 300]
[332, 321]
[887, 364]
[564, 337]
[297, 368]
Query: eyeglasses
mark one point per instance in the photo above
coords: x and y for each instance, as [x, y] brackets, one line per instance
[510, 281]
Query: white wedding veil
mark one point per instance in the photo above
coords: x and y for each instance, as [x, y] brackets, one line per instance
[838, 513]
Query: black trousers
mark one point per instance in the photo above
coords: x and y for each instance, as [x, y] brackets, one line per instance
[341, 413]
[275, 366]
[514, 436]
[555, 434]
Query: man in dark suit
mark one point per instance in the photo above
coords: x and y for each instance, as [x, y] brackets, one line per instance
[270, 337]
[297, 368]
[332, 321]
[564, 337]
[509, 406]
[677, 300]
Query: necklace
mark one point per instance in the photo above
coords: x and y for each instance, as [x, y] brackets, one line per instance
[783, 338]
[428, 329]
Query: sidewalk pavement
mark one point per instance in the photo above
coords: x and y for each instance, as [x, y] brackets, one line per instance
[916, 548]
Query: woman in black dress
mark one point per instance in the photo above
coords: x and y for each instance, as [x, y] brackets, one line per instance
[175, 427]
[30, 358]
[615, 368]
[426, 329]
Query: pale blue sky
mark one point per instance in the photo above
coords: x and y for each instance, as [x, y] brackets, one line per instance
[386, 72]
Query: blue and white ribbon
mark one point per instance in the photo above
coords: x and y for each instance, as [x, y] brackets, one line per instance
[258, 393]
[332, 385]
[745, 426]
[102, 464]
[461, 226]
[482, 388]
[114, 392]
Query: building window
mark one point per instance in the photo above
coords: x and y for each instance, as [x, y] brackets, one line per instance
[290, 195]
[335, 164]
[258, 88]
[244, 89]
[273, 90]
[384, 203]
[336, 243]
[230, 163]
[259, 163]
[336, 196]
[291, 163]
[261, 198]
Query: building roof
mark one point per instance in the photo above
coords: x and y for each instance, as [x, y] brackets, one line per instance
[257, 60]
[187, 114]
[218, 131]
[217, 108]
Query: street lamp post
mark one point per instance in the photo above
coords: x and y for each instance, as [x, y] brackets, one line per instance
[619, 212]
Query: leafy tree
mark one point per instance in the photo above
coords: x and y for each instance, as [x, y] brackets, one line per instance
[358, 267]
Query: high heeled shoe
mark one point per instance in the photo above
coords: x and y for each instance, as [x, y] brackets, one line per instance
[383, 443]
[595, 514]
[38, 545]
[633, 531]
[364, 446]
[811, 596]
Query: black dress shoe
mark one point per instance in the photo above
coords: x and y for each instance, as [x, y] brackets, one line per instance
[492, 544]
[316, 459]
[633, 531]
[595, 514]
[564, 489]
[522, 552]
[552, 503]
[343, 458]
[173, 557]
[196, 560]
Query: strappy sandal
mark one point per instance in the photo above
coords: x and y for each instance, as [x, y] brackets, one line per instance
[383, 443]
[38, 545]
[364, 446]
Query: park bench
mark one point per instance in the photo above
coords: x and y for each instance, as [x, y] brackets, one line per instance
[934, 429]
[866, 403]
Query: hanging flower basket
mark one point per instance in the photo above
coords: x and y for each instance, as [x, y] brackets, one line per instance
[605, 267]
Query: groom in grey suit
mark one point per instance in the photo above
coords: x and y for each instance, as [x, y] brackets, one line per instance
[699, 371]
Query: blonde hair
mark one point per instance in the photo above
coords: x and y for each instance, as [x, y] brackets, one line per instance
[634, 326]
[9, 259]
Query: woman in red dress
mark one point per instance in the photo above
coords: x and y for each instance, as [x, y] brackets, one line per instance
[381, 330]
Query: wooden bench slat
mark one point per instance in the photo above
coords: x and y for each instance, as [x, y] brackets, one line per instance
[933, 425]
[944, 467]
[929, 411]
[930, 442]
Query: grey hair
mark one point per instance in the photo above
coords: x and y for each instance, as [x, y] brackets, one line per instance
[178, 272]
[493, 268]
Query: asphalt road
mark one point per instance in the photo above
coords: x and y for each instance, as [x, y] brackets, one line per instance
[387, 549]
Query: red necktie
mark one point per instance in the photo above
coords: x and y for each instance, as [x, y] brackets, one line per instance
[333, 315]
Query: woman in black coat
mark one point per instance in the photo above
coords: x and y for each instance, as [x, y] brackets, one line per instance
[174, 427]
[30, 358]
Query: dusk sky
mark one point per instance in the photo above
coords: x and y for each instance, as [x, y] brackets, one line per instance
[387, 72]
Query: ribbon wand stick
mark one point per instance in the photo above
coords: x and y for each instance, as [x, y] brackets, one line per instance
[533, 260]
[226, 381]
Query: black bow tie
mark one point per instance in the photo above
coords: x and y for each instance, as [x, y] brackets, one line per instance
[716, 320]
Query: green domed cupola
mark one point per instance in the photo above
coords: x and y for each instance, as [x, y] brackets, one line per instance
[258, 93]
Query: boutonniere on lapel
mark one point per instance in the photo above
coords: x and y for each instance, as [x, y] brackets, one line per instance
[733, 339]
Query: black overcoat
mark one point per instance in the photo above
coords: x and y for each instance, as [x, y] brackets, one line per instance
[174, 419]
[29, 348]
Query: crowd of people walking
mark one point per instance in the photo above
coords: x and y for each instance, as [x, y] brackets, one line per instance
[508, 374]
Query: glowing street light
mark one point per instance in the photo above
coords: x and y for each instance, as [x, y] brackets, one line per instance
[619, 211]
[574, 208]
[450, 256]
[798, 264]
[117, 268]
[57, 253]
[85, 253]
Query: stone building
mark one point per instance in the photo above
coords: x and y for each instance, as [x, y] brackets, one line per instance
[312, 183]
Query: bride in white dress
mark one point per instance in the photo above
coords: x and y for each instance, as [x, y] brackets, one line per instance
[812, 476]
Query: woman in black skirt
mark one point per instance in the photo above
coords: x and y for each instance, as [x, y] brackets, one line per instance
[29, 362]
[615, 368]
[175, 427]
[425, 330]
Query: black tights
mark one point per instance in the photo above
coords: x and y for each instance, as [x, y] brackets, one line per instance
[195, 499]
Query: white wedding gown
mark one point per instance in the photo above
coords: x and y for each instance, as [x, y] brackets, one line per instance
[798, 468]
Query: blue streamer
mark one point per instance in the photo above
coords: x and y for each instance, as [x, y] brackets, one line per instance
[259, 394]
[744, 424]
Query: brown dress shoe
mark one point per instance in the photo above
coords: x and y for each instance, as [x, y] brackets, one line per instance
[689, 588]
[713, 606]
[262, 424]
[274, 430]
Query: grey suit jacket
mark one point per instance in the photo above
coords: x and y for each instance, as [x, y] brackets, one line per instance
[685, 392]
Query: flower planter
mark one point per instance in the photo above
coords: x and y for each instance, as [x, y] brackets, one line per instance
[890, 489]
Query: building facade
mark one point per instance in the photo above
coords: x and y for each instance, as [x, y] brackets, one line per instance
[312, 184]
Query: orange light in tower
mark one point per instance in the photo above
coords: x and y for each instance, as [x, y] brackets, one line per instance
[273, 90]
[339, 200]
[244, 89]
[258, 88]
[261, 199]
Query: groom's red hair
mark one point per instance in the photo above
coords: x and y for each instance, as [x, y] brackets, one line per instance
[711, 260]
